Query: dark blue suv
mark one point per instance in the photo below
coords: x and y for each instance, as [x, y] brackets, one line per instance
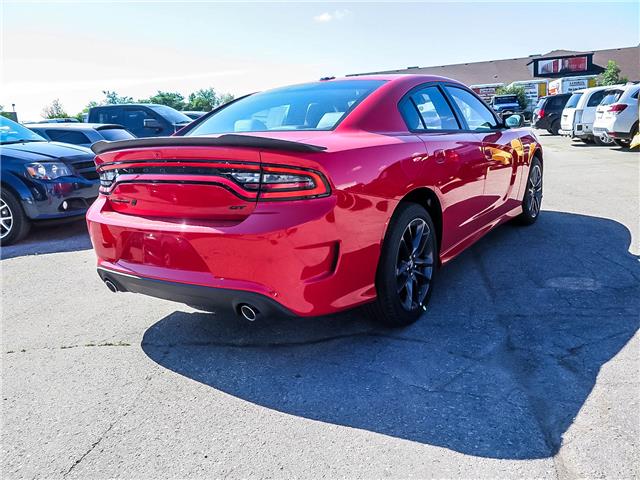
[41, 181]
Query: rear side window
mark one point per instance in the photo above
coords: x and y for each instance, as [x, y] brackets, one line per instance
[112, 134]
[477, 114]
[68, 136]
[573, 100]
[111, 115]
[596, 98]
[427, 109]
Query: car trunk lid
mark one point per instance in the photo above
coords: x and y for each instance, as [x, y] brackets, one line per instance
[211, 178]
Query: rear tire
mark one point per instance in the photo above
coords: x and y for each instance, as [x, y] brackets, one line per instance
[555, 127]
[14, 224]
[603, 141]
[587, 140]
[407, 267]
[623, 143]
[532, 200]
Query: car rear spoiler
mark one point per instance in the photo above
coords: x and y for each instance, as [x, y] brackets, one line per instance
[229, 140]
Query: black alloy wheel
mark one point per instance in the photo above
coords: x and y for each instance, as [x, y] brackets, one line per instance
[532, 201]
[407, 267]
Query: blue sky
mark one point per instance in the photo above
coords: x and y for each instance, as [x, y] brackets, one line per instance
[72, 50]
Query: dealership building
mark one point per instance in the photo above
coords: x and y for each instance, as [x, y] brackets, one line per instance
[559, 71]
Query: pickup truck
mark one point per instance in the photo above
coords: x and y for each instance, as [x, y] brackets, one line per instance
[505, 104]
[141, 119]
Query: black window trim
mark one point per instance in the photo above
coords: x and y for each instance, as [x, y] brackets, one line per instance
[409, 95]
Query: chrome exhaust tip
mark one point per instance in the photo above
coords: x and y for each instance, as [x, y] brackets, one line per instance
[110, 285]
[249, 312]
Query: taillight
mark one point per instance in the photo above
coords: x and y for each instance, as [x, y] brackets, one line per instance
[283, 183]
[266, 182]
[541, 113]
[617, 108]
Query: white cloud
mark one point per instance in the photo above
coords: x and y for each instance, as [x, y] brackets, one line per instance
[329, 16]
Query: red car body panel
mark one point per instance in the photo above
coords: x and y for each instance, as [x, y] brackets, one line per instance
[312, 256]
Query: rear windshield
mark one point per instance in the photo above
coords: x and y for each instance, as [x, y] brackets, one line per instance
[611, 96]
[573, 100]
[540, 103]
[314, 106]
[505, 99]
[112, 134]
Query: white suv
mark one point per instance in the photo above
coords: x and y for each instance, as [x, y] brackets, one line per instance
[617, 115]
[579, 114]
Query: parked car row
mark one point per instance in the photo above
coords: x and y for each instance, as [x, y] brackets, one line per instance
[48, 171]
[41, 180]
[602, 115]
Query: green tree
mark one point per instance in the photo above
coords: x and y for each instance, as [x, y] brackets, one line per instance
[206, 99]
[611, 75]
[170, 99]
[112, 98]
[517, 90]
[85, 110]
[54, 110]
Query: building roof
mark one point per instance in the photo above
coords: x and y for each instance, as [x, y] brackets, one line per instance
[514, 69]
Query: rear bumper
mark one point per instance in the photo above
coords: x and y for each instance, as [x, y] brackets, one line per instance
[600, 131]
[301, 255]
[197, 296]
[566, 132]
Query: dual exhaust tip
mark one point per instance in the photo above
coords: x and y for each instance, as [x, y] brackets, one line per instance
[244, 310]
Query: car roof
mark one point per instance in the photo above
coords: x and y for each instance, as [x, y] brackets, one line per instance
[75, 126]
[118, 105]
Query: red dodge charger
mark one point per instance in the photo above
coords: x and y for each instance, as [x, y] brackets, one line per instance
[311, 199]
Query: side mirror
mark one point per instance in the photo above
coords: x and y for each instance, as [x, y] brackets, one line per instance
[514, 121]
[152, 123]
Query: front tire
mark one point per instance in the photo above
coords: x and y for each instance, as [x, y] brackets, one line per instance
[532, 200]
[14, 224]
[406, 269]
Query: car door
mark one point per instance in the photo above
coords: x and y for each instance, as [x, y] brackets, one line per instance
[134, 118]
[454, 164]
[499, 147]
[589, 110]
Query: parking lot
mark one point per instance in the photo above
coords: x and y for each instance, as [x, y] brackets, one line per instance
[526, 365]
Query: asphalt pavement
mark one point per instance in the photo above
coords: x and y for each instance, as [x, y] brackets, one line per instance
[526, 365]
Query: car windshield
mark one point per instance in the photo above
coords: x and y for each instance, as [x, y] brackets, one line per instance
[171, 114]
[314, 106]
[573, 100]
[12, 132]
[611, 96]
[505, 99]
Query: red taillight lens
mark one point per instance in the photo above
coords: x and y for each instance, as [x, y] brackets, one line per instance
[283, 183]
[248, 181]
[541, 114]
[617, 108]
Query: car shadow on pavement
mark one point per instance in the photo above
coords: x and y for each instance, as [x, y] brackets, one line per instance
[518, 330]
[53, 238]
